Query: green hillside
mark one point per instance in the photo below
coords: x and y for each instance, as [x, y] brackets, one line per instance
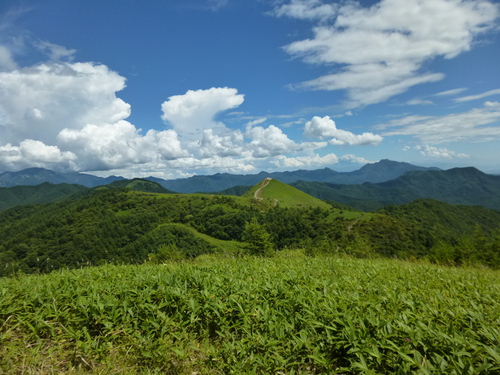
[464, 186]
[274, 192]
[237, 190]
[115, 224]
[43, 193]
[447, 219]
[138, 184]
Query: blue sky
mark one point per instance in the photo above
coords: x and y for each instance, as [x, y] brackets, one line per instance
[182, 87]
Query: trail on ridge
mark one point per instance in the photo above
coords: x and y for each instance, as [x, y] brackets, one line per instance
[258, 193]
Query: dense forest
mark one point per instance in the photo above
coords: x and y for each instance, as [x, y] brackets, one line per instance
[115, 224]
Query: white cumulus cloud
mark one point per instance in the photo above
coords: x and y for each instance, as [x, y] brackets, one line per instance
[67, 116]
[33, 153]
[193, 112]
[325, 127]
[119, 145]
[39, 101]
[231, 144]
[271, 141]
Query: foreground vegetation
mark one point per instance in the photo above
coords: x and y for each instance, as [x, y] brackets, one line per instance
[285, 314]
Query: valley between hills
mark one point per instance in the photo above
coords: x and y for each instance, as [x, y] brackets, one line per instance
[449, 217]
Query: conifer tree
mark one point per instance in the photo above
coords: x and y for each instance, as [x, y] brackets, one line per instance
[258, 239]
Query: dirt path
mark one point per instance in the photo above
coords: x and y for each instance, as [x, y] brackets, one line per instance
[258, 193]
[349, 228]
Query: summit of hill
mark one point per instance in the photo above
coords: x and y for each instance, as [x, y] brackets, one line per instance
[139, 184]
[277, 193]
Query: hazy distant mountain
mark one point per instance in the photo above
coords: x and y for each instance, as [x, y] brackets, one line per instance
[384, 170]
[466, 186]
[36, 176]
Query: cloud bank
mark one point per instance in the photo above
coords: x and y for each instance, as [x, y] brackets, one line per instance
[380, 51]
[454, 127]
[67, 116]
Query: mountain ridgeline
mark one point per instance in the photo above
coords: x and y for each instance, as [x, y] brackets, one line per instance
[137, 221]
[465, 186]
[47, 192]
[36, 176]
[384, 170]
[43, 193]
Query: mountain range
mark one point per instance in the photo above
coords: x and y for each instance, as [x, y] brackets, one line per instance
[36, 176]
[381, 171]
[465, 186]
[369, 188]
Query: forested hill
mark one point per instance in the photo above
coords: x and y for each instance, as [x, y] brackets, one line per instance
[450, 221]
[47, 192]
[465, 186]
[43, 193]
[115, 225]
[139, 184]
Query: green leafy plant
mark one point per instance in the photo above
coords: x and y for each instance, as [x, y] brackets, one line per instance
[287, 314]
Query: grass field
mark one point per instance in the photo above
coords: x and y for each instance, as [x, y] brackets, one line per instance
[288, 314]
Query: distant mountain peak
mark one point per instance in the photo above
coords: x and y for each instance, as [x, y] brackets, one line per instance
[386, 163]
[36, 176]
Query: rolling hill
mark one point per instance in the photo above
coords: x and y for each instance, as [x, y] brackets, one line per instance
[43, 193]
[139, 184]
[47, 192]
[274, 192]
[465, 186]
[451, 221]
[119, 223]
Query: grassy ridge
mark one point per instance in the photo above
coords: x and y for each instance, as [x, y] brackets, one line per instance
[285, 195]
[288, 314]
